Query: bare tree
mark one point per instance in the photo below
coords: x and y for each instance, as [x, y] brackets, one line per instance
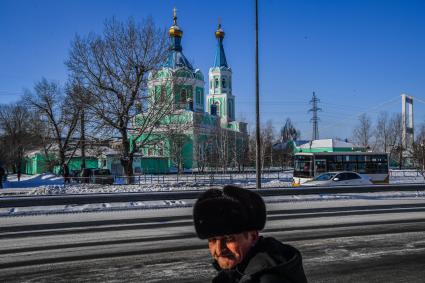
[363, 133]
[238, 144]
[395, 141]
[200, 151]
[16, 123]
[176, 136]
[59, 112]
[252, 148]
[114, 69]
[418, 150]
[285, 151]
[289, 132]
[267, 136]
[221, 144]
[383, 132]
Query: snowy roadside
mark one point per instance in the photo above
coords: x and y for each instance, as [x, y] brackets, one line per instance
[163, 204]
[49, 184]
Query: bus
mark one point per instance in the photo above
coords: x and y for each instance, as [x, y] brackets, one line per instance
[309, 165]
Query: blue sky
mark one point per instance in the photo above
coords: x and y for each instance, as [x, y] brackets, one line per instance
[358, 56]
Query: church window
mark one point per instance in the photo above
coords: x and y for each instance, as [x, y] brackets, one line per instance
[190, 103]
[183, 95]
[213, 109]
[223, 83]
[218, 108]
[162, 95]
[216, 83]
[198, 97]
[211, 85]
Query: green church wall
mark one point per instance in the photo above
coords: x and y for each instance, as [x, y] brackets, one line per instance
[75, 164]
[152, 165]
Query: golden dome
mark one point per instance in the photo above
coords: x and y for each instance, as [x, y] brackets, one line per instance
[175, 30]
[219, 33]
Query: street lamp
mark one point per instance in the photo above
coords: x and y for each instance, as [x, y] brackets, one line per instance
[257, 104]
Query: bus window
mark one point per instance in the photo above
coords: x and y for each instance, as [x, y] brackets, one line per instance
[371, 167]
[350, 158]
[361, 158]
[382, 168]
[361, 167]
[320, 166]
[350, 166]
[302, 166]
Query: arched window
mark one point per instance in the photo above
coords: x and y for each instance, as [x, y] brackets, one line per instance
[217, 104]
[190, 104]
[213, 109]
[216, 83]
[230, 109]
[223, 83]
[199, 97]
[183, 95]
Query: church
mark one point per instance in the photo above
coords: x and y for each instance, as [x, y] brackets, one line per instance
[200, 130]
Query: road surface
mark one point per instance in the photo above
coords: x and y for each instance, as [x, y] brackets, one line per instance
[362, 240]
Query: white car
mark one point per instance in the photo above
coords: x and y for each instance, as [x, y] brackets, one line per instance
[346, 178]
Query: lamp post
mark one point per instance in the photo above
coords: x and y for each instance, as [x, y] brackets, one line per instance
[257, 105]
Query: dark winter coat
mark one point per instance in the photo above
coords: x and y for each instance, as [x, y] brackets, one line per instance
[269, 261]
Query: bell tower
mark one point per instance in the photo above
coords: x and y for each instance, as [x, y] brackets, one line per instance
[220, 101]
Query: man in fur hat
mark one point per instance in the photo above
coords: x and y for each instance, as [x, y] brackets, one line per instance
[231, 220]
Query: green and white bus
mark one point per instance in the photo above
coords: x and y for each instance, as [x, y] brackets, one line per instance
[372, 164]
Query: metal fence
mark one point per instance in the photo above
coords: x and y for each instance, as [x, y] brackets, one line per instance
[191, 178]
[406, 173]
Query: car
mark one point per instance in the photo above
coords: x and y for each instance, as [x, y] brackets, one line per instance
[102, 176]
[346, 178]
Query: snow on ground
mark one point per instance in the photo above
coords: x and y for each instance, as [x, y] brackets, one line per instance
[50, 184]
[32, 181]
[161, 204]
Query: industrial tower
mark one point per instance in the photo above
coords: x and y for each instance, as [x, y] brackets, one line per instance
[407, 123]
[315, 118]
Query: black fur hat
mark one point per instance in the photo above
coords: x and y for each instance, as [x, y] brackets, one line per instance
[229, 211]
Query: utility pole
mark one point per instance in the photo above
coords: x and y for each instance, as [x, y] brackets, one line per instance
[315, 118]
[83, 138]
[257, 105]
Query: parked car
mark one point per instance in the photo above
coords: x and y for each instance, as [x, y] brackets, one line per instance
[102, 176]
[346, 178]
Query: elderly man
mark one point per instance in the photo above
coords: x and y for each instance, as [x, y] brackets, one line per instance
[231, 220]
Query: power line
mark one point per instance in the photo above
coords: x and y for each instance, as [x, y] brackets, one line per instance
[377, 107]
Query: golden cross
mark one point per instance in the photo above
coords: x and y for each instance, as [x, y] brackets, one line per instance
[175, 16]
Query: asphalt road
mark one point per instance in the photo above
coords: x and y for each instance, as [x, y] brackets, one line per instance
[341, 241]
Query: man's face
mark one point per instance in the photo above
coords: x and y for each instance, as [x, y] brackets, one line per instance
[229, 250]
